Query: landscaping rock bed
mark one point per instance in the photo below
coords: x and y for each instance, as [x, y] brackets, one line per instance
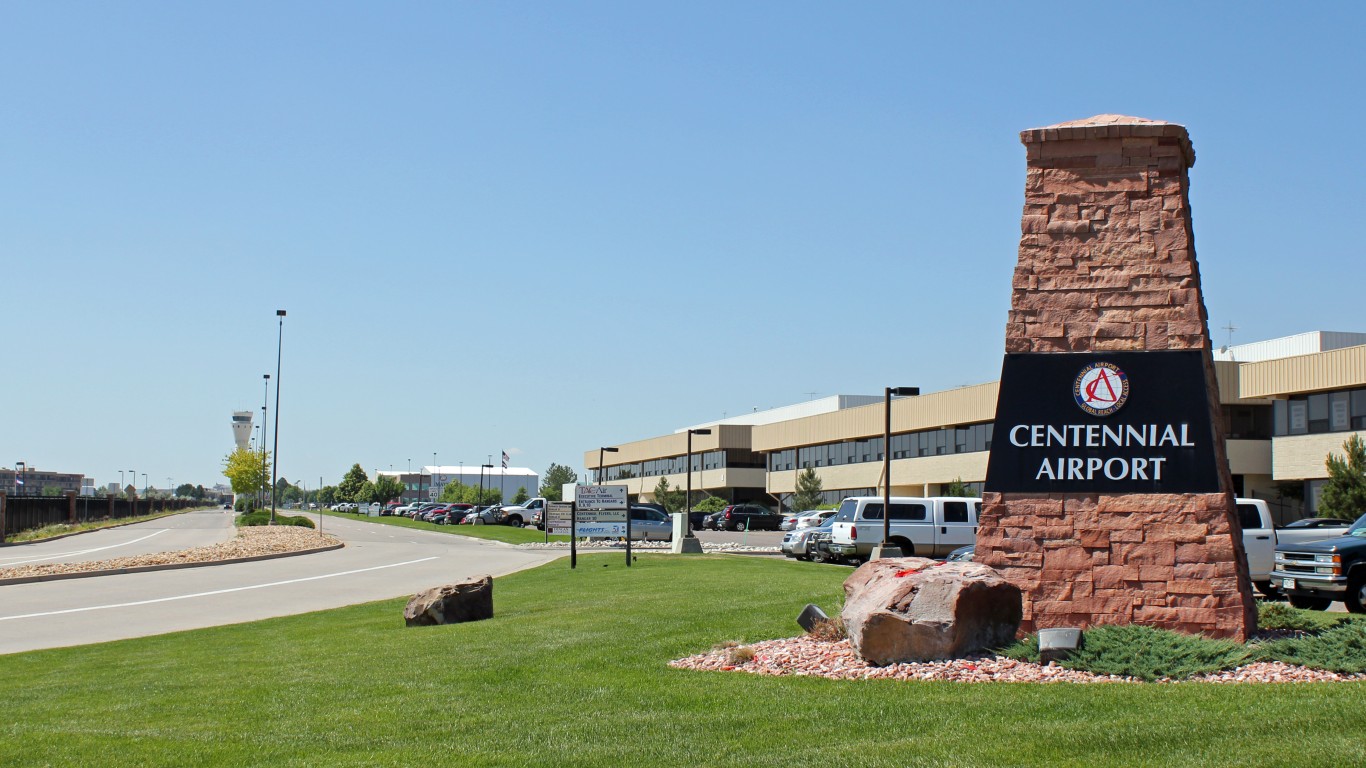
[253, 541]
[806, 656]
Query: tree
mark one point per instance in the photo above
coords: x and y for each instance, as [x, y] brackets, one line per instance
[185, 491]
[387, 488]
[366, 494]
[51, 490]
[521, 496]
[710, 504]
[671, 500]
[327, 495]
[456, 491]
[809, 491]
[957, 488]
[351, 483]
[246, 469]
[558, 476]
[1344, 495]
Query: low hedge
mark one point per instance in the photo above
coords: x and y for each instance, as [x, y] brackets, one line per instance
[1332, 642]
[263, 518]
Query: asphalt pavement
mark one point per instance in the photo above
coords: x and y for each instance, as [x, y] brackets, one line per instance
[378, 562]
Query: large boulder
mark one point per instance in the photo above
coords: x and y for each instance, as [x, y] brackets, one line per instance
[469, 600]
[915, 609]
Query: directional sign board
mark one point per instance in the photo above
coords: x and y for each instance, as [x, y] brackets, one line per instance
[559, 517]
[606, 502]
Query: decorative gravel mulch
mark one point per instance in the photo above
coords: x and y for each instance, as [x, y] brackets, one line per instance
[806, 656]
[252, 541]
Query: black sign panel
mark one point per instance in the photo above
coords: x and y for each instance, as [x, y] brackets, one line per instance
[1117, 422]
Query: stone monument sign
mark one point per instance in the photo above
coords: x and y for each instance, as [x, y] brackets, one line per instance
[1108, 498]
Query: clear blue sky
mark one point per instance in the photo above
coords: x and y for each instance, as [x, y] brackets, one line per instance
[544, 227]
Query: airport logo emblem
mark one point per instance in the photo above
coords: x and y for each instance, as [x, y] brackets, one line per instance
[1101, 389]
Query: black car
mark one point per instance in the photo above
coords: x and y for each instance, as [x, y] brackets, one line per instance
[749, 517]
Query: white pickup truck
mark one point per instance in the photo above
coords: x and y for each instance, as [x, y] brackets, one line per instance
[924, 527]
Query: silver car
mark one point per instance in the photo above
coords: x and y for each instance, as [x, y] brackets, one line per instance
[798, 543]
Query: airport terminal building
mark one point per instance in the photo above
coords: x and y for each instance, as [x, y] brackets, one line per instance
[1286, 404]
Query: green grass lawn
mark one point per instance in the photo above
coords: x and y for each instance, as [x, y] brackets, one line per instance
[504, 533]
[571, 672]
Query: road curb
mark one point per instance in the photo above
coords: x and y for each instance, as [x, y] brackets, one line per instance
[166, 567]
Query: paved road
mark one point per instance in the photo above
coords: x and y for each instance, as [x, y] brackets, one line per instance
[167, 534]
[379, 562]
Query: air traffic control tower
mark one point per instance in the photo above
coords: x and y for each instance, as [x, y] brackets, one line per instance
[241, 428]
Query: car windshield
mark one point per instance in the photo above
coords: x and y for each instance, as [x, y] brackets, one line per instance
[1358, 528]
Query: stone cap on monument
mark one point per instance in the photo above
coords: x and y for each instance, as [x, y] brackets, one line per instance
[1113, 127]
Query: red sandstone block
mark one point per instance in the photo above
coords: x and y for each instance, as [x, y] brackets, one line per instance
[1182, 533]
[1034, 224]
[1147, 552]
[1093, 538]
[1203, 571]
[1156, 573]
[1114, 576]
[1188, 587]
[1154, 615]
[1066, 558]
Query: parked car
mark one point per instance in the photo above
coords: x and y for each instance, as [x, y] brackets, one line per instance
[961, 555]
[711, 522]
[809, 519]
[453, 514]
[800, 544]
[1312, 529]
[491, 515]
[530, 511]
[749, 517]
[650, 523]
[1314, 575]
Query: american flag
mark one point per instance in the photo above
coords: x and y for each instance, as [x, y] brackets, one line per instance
[505, 459]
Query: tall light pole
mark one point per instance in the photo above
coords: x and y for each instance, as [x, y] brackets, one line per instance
[482, 467]
[405, 480]
[121, 483]
[887, 458]
[431, 487]
[133, 480]
[602, 473]
[692, 432]
[275, 464]
[265, 471]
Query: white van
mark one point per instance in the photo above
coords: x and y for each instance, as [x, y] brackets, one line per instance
[922, 527]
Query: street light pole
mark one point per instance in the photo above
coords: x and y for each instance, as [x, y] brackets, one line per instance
[602, 473]
[275, 464]
[482, 467]
[265, 399]
[887, 459]
[431, 487]
[692, 432]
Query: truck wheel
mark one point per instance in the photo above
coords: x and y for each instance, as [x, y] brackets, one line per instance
[1267, 589]
[515, 521]
[1310, 603]
[1356, 592]
[906, 547]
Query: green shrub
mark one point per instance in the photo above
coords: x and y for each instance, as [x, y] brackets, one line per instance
[1284, 616]
[1341, 648]
[262, 517]
[1142, 652]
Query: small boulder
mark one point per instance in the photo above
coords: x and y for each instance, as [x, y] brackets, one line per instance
[469, 600]
[915, 609]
